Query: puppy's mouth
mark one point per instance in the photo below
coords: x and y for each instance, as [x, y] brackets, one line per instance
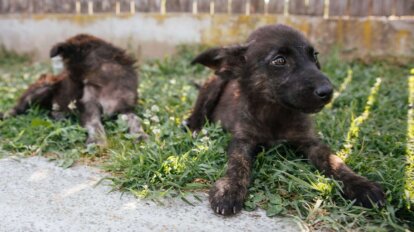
[306, 109]
[312, 110]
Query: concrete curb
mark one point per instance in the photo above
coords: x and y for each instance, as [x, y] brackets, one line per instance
[36, 195]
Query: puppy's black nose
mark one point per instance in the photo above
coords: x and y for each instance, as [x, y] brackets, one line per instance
[324, 91]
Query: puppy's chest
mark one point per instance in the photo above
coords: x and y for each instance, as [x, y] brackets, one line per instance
[277, 129]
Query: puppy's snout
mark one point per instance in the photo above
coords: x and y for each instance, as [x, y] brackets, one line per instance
[324, 92]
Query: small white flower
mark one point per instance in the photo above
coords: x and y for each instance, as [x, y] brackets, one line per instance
[147, 114]
[55, 107]
[204, 131]
[172, 81]
[155, 118]
[156, 131]
[124, 117]
[72, 105]
[155, 108]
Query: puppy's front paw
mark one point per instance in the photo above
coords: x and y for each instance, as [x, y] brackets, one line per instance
[365, 192]
[226, 197]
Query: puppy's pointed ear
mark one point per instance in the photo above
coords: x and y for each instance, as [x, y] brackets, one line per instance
[210, 58]
[225, 61]
[59, 49]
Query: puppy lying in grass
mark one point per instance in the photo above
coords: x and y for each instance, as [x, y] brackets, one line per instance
[98, 79]
[263, 93]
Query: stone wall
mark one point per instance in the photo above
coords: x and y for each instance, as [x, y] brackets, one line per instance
[155, 35]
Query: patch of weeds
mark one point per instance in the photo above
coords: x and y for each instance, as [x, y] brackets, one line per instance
[10, 58]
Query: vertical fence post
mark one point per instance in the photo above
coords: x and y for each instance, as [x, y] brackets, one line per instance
[132, 7]
[90, 7]
[326, 9]
[77, 7]
[348, 8]
[211, 7]
[195, 7]
[31, 7]
[370, 6]
[286, 8]
[247, 7]
[266, 7]
[394, 8]
[229, 6]
[117, 8]
[163, 7]
[307, 6]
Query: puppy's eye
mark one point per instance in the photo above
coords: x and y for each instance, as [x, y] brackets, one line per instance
[280, 60]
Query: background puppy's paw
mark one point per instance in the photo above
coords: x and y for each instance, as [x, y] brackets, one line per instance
[101, 142]
[142, 137]
[227, 198]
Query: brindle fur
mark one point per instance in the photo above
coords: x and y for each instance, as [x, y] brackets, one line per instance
[262, 103]
[99, 79]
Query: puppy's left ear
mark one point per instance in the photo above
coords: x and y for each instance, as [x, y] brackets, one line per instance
[59, 49]
[225, 61]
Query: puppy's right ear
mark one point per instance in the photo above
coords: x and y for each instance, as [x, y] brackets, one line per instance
[225, 61]
[58, 49]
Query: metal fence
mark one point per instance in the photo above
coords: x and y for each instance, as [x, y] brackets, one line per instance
[352, 8]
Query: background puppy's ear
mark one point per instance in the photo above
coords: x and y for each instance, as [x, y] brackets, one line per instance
[224, 61]
[58, 49]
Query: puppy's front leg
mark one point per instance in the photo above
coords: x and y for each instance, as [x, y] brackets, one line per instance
[228, 193]
[365, 192]
[90, 116]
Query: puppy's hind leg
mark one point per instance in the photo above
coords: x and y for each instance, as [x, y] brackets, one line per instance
[35, 94]
[134, 126]
[207, 100]
[40, 92]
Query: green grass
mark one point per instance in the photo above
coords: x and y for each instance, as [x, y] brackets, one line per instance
[173, 163]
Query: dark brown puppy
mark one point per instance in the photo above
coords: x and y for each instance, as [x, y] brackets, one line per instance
[99, 79]
[263, 93]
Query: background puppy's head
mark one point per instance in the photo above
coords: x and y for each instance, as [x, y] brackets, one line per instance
[277, 65]
[85, 51]
[77, 47]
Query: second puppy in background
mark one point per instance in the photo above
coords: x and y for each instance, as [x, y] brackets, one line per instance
[98, 79]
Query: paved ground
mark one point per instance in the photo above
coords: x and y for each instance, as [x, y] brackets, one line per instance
[36, 195]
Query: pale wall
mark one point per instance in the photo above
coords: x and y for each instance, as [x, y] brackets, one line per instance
[154, 35]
